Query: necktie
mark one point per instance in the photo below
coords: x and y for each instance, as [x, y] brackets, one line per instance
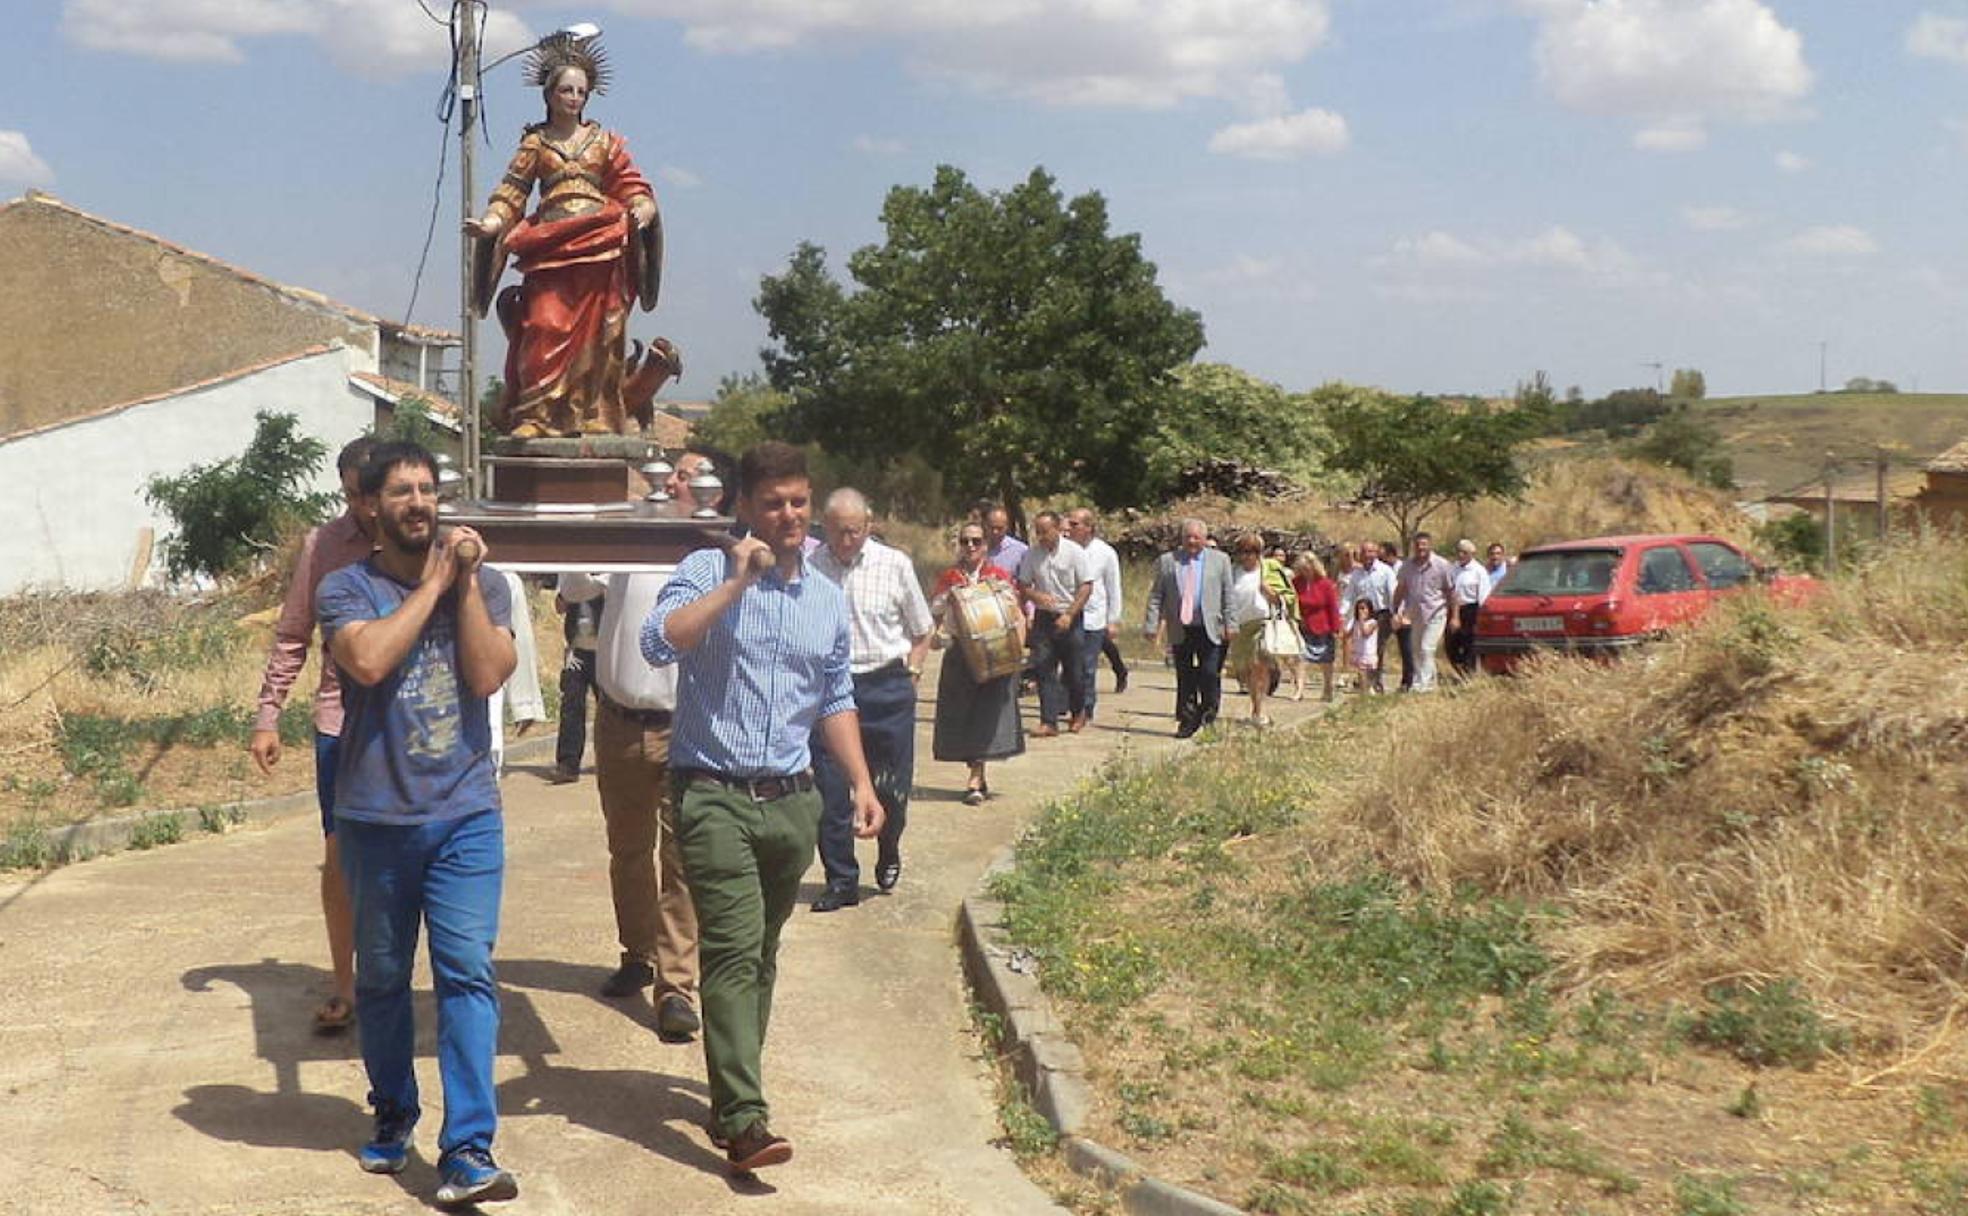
[1190, 573]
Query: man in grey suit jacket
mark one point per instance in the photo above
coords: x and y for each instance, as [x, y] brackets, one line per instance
[1192, 590]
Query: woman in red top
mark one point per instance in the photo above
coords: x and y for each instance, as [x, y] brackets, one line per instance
[1318, 618]
[976, 720]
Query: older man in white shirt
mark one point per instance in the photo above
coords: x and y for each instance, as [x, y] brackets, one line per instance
[889, 626]
[1472, 585]
[1101, 621]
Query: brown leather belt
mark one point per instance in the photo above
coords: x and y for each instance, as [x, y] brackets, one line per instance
[758, 789]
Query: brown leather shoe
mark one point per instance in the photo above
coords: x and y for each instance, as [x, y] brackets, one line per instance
[756, 1147]
[1076, 723]
[1044, 732]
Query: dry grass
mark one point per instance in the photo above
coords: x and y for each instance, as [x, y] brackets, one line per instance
[140, 658]
[1579, 496]
[1778, 794]
[1773, 802]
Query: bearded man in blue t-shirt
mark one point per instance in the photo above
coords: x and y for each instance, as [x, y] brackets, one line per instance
[422, 634]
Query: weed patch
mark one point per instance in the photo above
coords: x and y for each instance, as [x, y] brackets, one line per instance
[1767, 1025]
[152, 831]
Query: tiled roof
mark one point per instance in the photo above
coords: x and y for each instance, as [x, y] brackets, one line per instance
[1954, 460]
[393, 390]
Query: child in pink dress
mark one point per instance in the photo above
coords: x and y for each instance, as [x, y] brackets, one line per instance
[1362, 648]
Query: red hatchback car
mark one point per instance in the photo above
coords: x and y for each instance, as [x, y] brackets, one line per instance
[1608, 594]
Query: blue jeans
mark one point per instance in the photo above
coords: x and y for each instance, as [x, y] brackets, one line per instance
[327, 749]
[1091, 640]
[448, 876]
[1056, 655]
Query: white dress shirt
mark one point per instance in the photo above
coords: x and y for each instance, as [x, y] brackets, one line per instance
[625, 677]
[1103, 605]
[1472, 582]
[886, 611]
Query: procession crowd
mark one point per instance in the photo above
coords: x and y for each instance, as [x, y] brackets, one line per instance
[753, 707]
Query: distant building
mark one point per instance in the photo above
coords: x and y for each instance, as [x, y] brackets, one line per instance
[1943, 500]
[124, 356]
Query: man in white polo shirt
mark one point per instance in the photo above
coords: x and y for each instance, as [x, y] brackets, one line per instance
[1053, 578]
[889, 628]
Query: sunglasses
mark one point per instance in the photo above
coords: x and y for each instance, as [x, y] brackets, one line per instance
[970, 542]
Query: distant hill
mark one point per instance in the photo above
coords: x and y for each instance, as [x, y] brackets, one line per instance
[1779, 441]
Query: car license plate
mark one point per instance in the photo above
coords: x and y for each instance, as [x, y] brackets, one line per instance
[1540, 624]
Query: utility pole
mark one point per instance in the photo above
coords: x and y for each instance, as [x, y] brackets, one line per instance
[1879, 475]
[1831, 522]
[464, 14]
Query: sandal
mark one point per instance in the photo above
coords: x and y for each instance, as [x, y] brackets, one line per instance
[336, 1014]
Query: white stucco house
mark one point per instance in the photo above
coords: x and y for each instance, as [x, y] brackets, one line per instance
[124, 357]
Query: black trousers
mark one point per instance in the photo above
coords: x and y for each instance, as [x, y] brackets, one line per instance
[1462, 643]
[1114, 659]
[885, 699]
[1198, 676]
[576, 682]
[1405, 636]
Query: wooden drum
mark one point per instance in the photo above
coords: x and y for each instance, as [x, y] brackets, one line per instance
[988, 629]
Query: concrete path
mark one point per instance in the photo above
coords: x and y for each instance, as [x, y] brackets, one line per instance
[156, 1057]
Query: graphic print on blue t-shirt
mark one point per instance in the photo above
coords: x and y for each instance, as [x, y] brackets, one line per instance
[416, 746]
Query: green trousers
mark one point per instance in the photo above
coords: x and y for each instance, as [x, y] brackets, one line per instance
[743, 861]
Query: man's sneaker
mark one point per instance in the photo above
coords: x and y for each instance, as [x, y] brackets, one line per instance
[469, 1175]
[388, 1151]
[676, 1021]
[755, 1148]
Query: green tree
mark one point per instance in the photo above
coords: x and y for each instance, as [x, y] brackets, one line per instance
[1684, 440]
[745, 412]
[1007, 337]
[1215, 410]
[1416, 455]
[231, 515]
[1688, 384]
[412, 421]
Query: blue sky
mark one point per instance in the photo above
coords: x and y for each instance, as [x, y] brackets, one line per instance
[1431, 195]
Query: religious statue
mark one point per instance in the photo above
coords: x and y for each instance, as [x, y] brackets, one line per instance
[592, 249]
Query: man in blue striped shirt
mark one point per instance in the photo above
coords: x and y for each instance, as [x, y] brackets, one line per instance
[762, 651]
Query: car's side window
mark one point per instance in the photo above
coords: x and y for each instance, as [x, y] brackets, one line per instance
[1664, 570]
[1722, 566]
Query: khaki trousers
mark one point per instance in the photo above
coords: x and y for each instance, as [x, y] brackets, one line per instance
[654, 916]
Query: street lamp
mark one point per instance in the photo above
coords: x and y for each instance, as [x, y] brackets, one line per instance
[465, 15]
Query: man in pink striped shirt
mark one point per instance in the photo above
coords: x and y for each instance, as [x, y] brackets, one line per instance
[342, 541]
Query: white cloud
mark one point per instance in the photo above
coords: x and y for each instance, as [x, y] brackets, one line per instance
[1792, 162]
[1932, 36]
[871, 145]
[1139, 53]
[1675, 66]
[372, 38]
[1832, 241]
[1714, 219]
[19, 166]
[1313, 132]
[678, 176]
[1439, 248]
[1671, 137]
[1556, 248]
